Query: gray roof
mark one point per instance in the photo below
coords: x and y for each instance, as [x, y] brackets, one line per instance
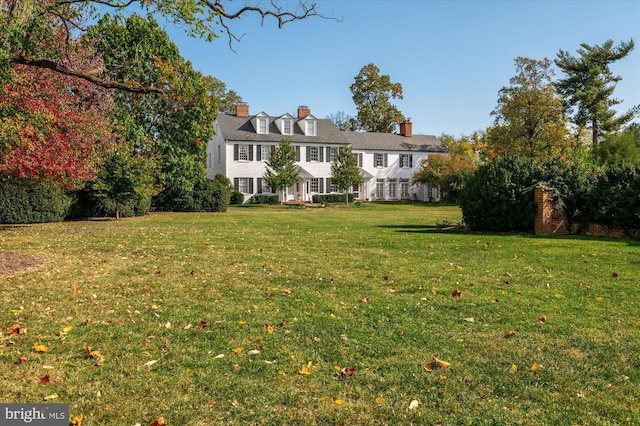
[241, 129]
[393, 142]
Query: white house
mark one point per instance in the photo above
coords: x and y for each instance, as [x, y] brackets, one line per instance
[243, 142]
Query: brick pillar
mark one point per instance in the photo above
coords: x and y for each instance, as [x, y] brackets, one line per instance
[549, 220]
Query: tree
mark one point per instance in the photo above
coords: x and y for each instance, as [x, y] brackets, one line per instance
[42, 33]
[451, 171]
[226, 100]
[176, 124]
[281, 170]
[620, 147]
[588, 87]
[53, 129]
[345, 172]
[371, 94]
[529, 117]
[344, 121]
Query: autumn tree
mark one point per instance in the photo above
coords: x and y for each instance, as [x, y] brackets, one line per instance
[589, 85]
[280, 169]
[345, 172]
[226, 100]
[344, 121]
[42, 33]
[529, 117]
[372, 94]
[53, 129]
[450, 171]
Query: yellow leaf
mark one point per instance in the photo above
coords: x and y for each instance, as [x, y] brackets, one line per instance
[241, 322]
[599, 299]
[514, 367]
[270, 329]
[237, 351]
[51, 397]
[440, 364]
[309, 364]
[339, 401]
[67, 329]
[40, 348]
[380, 400]
[77, 420]
[304, 371]
[535, 367]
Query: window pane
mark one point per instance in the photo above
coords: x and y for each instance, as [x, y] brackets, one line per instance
[243, 152]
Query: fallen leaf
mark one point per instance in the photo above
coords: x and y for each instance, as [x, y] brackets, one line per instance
[203, 323]
[542, 320]
[509, 334]
[614, 275]
[364, 300]
[14, 330]
[436, 364]
[414, 404]
[380, 400]
[456, 293]
[339, 401]
[37, 347]
[470, 319]
[67, 329]
[45, 379]
[77, 420]
[535, 367]
[157, 422]
[22, 360]
[237, 351]
[514, 368]
[150, 363]
[51, 397]
[95, 355]
[218, 356]
[350, 371]
[304, 371]
[253, 352]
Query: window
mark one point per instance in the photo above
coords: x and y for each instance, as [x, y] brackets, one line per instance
[244, 185]
[265, 152]
[315, 153]
[392, 189]
[297, 148]
[380, 189]
[332, 153]
[243, 152]
[404, 189]
[380, 160]
[262, 126]
[406, 160]
[286, 127]
[314, 185]
[358, 156]
[331, 186]
[262, 187]
[311, 128]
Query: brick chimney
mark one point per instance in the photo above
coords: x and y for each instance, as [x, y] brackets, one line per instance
[405, 128]
[242, 110]
[303, 111]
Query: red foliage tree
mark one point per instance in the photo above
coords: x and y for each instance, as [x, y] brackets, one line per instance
[53, 128]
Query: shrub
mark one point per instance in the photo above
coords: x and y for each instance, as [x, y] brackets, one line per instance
[207, 196]
[498, 197]
[264, 199]
[237, 197]
[615, 198]
[86, 204]
[331, 198]
[20, 203]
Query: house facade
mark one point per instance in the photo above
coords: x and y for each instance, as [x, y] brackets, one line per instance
[243, 143]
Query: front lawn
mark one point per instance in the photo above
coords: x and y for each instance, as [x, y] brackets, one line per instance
[282, 315]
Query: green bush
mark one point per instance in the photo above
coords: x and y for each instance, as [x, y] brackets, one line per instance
[615, 198]
[86, 204]
[207, 196]
[20, 203]
[264, 199]
[237, 197]
[331, 198]
[498, 197]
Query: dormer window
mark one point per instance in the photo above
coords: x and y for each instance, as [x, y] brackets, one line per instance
[262, 126]
[287, 127]
[311, 128]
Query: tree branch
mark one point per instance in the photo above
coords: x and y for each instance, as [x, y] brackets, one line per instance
[87, 76]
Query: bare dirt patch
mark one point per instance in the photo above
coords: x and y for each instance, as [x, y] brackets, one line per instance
[13, 263]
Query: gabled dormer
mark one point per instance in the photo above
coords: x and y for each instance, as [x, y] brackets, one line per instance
[285, 124]
[309, 125]
[261, 123]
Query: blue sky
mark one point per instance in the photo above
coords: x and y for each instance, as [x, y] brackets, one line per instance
[451, 57]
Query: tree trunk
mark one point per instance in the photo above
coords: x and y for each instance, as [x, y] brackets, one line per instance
[594, 133]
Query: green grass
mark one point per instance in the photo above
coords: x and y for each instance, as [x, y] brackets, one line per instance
[369, 288]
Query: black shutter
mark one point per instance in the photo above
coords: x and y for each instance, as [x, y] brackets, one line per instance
[320, 155]
[297, 147]
[235, 151]
[360, 155]
[259, 152]
[250, 185]
[328, 154]
[328, 185]
[410, 160]
[308, 154]
[386, 160]
[321, 185]
[250, 152]
[259, 182]
[236, 183]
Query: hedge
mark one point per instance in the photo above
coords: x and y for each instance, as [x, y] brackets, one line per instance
[264, 199]
[331, 198]
[21, 203]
